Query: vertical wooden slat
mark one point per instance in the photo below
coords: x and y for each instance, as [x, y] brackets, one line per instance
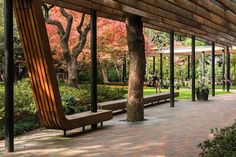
[33, 57]
[41, 66]
[21, 29]
[47, 60]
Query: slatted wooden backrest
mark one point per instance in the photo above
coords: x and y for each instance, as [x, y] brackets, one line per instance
[39, 61]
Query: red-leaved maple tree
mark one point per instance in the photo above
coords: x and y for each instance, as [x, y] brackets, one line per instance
[68, 32]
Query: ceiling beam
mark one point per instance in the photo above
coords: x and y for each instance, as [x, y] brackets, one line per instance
[180, 16]
[116, 11]
[229, 4]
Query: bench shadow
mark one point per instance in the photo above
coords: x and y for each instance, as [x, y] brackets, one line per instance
[69, 133]
[119, 112]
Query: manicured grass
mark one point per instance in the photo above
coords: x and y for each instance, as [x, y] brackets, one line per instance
[183, 93]
[1, 87]
[221, 87]
[149, 91]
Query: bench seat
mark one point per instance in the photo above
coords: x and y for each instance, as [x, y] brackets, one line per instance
[121, 104]
[88, 118]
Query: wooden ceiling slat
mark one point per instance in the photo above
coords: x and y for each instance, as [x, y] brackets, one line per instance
[115, 9]
[176, 7]
[214, 9]
[186, 30]
[117, 5]
[180, 19]
[229, 4]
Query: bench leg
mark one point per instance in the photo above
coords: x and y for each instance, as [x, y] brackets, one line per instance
[64, 133]
[101, 124]
[83, 128]
[94, 126]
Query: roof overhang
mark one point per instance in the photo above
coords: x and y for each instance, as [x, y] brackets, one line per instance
[211, 20]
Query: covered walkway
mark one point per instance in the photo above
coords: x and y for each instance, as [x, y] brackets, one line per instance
[166, 132]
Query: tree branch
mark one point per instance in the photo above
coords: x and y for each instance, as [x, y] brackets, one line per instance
[81, 24]
[82, 40]
[56, 23]
[69, 19]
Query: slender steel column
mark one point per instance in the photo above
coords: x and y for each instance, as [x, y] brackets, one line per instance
[213, 69]
[153, 64]
[172, 89]
[228, 70]
[124, 70]
[223, 69]
[93, 45]
[188, 67]
[203, 66]
[193, 68]
[161, 68]
[9, 79]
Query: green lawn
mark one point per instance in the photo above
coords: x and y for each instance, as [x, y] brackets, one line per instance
[1, 87]
[221, 87]
[183, 93]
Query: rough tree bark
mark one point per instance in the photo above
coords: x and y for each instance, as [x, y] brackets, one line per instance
[64, 34]
[135, 108]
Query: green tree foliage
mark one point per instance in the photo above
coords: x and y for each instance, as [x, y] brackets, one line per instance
[188, 42]
[160, 39]
[18, 54]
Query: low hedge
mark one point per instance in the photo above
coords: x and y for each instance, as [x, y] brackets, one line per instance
[74, 100]
[222, 145]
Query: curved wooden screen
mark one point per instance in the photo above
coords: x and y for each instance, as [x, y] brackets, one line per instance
[39, 61]
[37, 53]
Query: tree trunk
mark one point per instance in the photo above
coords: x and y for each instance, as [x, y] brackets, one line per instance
[104, 74]
[72, 73]
[135, 107]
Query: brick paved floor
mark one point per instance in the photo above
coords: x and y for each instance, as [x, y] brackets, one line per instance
[167, 132]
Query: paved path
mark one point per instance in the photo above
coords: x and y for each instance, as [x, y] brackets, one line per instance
[167, 132]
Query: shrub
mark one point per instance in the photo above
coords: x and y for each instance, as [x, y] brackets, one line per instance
[202, 88]
[27, 123]
[23, 100]
[223, 144]
[71, 105]
[74, 100]
[107, 93]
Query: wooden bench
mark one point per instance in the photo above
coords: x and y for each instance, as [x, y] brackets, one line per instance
[37, 53]
[121, 104]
